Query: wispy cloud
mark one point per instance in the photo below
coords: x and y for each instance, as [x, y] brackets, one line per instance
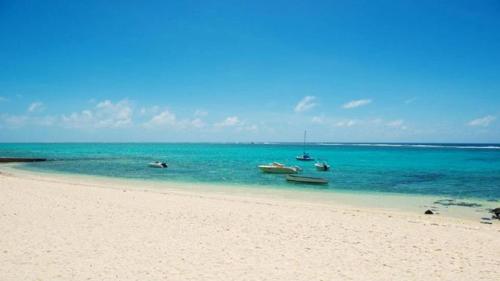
[362, 123]
[164, 118]
[230, 121]
[197, 123]
[167, 118]
[149, 110]
[35, 107]
[346, 123]
[305, 104]
[318, 119]
[356, 103]
[252, 128]
[482, 122]
[400, 124]
[18, 121]
[2, 99]
[13, 121]
[235, 123]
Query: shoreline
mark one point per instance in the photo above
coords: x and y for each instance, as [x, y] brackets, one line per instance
[372, 200]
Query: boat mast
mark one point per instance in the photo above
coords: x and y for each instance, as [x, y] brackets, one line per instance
[304, 145]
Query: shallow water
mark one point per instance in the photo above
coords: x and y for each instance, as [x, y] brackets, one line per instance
[458, 170]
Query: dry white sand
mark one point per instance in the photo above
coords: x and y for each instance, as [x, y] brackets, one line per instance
[56, 228]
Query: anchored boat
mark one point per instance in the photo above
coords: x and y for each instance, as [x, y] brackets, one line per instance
[302, 179]
[277, 168]
[322, 166]
[158, 164]
[305, 156]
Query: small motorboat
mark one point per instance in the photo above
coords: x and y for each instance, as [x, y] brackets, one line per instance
[302, 179]
[277, 168]
[322, 166]
[158, 164]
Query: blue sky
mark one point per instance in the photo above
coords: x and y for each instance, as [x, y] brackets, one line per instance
[360, 71]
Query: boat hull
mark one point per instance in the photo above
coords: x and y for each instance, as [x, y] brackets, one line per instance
[158, 165]
[278, 170]
[308, 180]
[300, 158]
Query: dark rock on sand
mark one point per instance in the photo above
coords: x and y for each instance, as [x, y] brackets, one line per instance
[429, 212]
[496, 212]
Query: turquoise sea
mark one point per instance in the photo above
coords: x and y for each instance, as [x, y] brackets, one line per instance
[458, 170]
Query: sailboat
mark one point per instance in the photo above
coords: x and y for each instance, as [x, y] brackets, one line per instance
[305, 156]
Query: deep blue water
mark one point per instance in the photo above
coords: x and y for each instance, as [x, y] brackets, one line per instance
[460, 170]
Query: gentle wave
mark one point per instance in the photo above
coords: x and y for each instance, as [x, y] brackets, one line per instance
[412, 145]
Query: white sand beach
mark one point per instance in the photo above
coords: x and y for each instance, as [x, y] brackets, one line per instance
[72, 228]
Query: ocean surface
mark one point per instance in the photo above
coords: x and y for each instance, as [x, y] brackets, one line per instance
[457, 170]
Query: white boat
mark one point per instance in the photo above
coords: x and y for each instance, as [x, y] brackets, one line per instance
[158, 164]
[302, 179]
[277, 168]
[322, 166]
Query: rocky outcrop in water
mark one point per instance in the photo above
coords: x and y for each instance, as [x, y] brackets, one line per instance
[453, 202]
[16, 159]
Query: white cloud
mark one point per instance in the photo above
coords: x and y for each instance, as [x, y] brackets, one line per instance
[105, 114]
[149, 110]
[164, 118]
[167, 118]
[229, 122]
[482, 122]
[356, 103]
[305, 104]
[397, 124]
[237, 124]
[253, 128]
[35, 106]
[45, 121]
[13, 121]
[346, 123]
[18, 121]
[78, 120]
[318, 119]
[109, 114]
[197, 123]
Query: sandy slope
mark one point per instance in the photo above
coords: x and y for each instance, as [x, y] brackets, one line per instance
[52, 229]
